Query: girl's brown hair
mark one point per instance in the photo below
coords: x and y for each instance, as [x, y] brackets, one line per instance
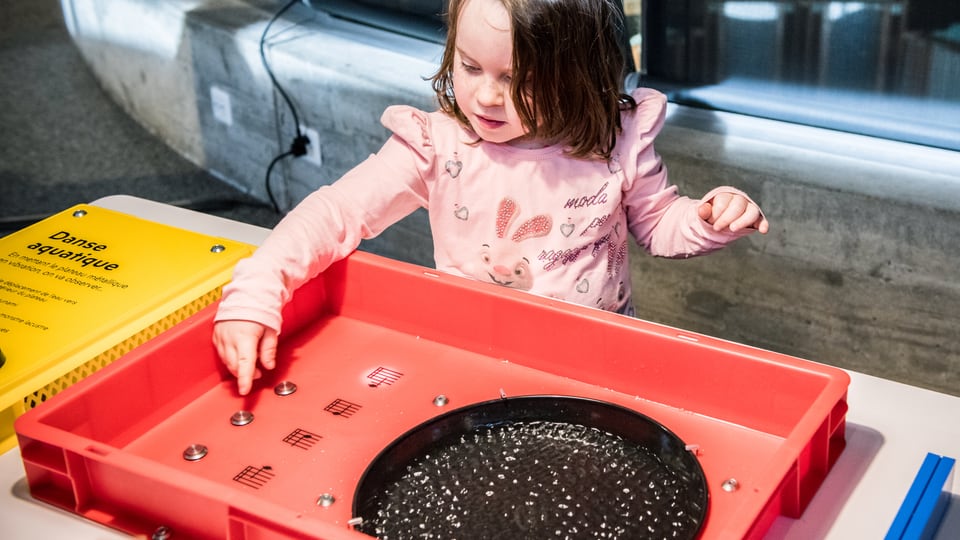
[568, 70]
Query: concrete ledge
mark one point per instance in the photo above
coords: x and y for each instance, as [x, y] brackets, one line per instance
[859, 270]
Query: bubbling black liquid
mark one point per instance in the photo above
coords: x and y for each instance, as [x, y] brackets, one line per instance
[538, 479]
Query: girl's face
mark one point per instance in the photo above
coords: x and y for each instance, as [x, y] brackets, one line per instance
[483, 72]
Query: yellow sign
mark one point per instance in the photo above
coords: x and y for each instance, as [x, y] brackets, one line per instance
[83, 282]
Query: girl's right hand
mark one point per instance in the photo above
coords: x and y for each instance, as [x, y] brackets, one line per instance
[240, 344]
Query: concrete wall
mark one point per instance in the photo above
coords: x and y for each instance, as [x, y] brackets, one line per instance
[858, 270]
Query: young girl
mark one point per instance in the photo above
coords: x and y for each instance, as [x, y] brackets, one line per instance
[535, 171]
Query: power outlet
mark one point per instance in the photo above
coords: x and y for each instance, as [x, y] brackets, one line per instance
[313, 154]
[222, 108]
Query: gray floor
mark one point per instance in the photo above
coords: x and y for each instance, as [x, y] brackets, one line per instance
[63, 141]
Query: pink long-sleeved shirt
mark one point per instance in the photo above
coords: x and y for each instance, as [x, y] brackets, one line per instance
[532, 219]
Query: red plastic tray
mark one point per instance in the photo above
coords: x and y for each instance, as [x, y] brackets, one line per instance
[369, 345]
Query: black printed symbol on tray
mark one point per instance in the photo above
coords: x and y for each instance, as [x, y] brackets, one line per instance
[301, 438]
[255, 477]
[383, 375]
[340, 407]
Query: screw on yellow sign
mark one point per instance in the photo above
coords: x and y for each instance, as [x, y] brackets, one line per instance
[89, 281]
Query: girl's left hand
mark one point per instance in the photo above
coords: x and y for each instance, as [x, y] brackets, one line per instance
[734, 212]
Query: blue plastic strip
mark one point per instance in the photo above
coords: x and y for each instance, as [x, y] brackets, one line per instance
[932, 505]
[926, 501]
[909, 504]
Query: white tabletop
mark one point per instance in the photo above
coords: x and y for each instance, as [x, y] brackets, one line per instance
[890, 429]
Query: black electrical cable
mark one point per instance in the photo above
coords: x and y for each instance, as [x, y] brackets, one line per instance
[273, 201]
[300, 141]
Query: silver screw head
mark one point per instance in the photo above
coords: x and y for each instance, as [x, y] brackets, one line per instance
[241, 418]
[326, 500]
[441, 400]
[730, 485]
[218, 248]
[79, 213]
[195, 452]
[285, 388]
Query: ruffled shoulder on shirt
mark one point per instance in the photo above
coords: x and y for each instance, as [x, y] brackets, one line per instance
[425, 135]
[410, 124]
[640, 126]
[415, 131]
[646, 121]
